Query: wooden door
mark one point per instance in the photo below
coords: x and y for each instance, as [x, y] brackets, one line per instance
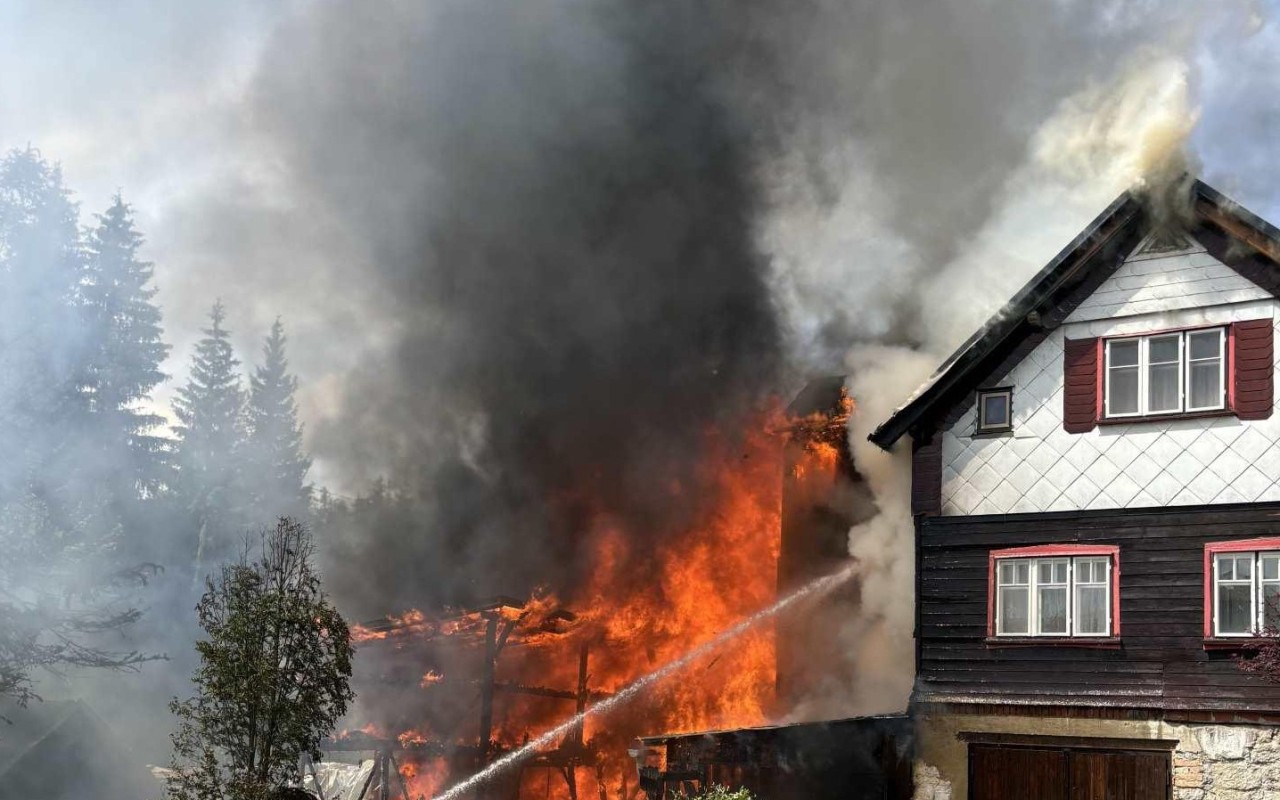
[1002, 772]
[1016, 773]
[1119, 775]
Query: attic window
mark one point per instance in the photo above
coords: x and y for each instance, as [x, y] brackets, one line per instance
[995, 410]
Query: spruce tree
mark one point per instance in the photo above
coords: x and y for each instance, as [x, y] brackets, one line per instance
[61, 578]
[128, 349]
[211, 443]
[279, 465]
[42, 337]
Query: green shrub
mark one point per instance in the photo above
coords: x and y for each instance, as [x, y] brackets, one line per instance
[720, 793]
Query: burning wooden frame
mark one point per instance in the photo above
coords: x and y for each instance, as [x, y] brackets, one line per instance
[495, 625]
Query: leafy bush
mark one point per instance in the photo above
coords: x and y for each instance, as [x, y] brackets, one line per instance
[720, 793]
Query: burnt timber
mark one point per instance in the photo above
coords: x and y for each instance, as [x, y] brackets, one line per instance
[498, 623]
[866, 758]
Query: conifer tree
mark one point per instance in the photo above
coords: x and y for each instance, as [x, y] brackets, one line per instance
[210, 411]
[41, 335]
[124, 368]
[279, 465]
[60, 575]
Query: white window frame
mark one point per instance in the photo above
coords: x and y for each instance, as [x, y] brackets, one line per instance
[1257, 605]
[1032, 587]
[1184, 374]
[1003, 427]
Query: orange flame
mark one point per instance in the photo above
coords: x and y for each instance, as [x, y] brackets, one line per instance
[647, 601]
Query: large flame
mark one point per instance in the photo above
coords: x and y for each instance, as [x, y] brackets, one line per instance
[641, 607]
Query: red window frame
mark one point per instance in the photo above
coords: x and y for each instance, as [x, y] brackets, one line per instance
[1210, 550]
[1228, 375]
[1048, 551]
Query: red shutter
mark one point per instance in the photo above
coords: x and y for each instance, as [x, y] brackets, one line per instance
[1080, 385]
[1253, 368]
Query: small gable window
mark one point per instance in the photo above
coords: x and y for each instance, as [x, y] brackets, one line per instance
[995, 410]
[1166, 373]
[1063, 591]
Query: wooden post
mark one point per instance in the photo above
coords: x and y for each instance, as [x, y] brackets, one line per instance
[404, 789]
[486, 694]
[385, 758]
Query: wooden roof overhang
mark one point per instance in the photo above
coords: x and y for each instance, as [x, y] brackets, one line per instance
[1220, 224]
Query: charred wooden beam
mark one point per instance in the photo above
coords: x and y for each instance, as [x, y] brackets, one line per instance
[545, 691]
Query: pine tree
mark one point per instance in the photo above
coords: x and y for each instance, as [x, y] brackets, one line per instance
[279, 465]
[210, 411]
[128, 349]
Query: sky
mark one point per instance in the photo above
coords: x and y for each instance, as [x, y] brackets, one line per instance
[210, 118]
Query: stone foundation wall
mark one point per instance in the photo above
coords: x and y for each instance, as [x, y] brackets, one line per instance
[1227, 762]
[1210, 761]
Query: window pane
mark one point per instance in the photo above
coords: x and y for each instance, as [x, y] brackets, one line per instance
[1123, 354]
[1235, 608]
[1122, 391]
[1162, 388]
[1060, 572]
[1271, 608]
[1006, 572]
[1091, 610]
[995, 410]
[1046, 572]
[1244, 567]
[1091, 570]
[1023, 570]
[1224, 568]
[1271, 568]
[1206, 344]
[1163, 350]
[1013, 610]
[1053, 609]
[1206, 385]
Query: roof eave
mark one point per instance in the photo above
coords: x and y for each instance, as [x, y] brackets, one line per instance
[1008, 320]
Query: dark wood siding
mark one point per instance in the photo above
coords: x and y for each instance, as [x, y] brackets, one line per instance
[926, 477]
[1161, 661]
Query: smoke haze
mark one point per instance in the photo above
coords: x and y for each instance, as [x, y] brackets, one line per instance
[528, 252]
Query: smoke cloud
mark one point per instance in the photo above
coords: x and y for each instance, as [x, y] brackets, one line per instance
[590, 230]
[528, 252]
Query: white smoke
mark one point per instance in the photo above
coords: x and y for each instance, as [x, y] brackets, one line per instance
[836, 254]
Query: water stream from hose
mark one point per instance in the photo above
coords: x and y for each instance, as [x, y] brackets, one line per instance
[817, 587]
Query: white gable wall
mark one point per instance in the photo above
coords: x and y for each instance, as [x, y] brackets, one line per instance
[1041, 467]
[1166, 282]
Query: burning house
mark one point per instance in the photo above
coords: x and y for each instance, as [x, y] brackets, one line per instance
[1095, 499]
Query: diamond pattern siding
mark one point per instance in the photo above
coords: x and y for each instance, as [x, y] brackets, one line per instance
[1041, 467]
[1148, 283]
